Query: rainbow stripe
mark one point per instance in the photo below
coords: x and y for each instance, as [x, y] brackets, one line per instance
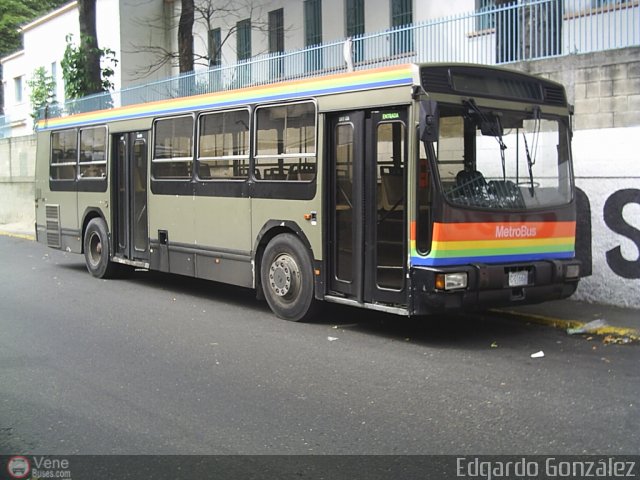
[338, 83]
[499, 242]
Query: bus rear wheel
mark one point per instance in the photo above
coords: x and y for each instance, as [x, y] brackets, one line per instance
[96, 250]
[287, 278]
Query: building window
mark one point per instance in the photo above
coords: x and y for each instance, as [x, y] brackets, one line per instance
[401, 17]
[485, 18]
[243, 40]
[286, 142]
[276, 31]
[223, 147]
[17, 82]
[276, 41]
[173, 147]
[605, 3]
[313, 33]
[214, 45]
[243, 28]
[54, 74]
[401, 13]
[354, 15]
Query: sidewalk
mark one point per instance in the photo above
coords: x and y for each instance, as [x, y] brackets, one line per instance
[19, 229]
[608, 320]
[616, 322]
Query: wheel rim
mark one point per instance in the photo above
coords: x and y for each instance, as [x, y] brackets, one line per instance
[95, 249]
[284, 277]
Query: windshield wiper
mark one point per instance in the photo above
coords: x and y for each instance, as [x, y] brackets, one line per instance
[532, 161]
[490, 125]
[529, 163]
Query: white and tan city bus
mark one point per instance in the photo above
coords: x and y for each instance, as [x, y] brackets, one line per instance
[408, 189]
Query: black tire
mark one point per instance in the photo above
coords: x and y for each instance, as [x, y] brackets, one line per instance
[96, 250]
[287, 280]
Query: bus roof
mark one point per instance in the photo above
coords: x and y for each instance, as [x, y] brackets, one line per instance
[397, 75]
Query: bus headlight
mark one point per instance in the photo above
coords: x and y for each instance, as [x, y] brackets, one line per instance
[572, 271]
[451, 281]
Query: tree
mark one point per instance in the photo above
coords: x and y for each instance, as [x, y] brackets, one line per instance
[205, 15]
[43, 94]
[78, 80]
[81, 68]
[89, 46]
[14, 14]
[185, 36]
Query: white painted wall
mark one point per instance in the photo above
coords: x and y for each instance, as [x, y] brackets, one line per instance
[44, 45]
[606, 162]
[16, 111]
[377, 18]
[144, 24]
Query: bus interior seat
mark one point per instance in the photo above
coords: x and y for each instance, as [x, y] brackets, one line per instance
[172, 170]
[302, 172]
[204, 171]
[66, 172]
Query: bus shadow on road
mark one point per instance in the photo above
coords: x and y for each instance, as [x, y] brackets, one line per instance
[480, 329]
[459, 330]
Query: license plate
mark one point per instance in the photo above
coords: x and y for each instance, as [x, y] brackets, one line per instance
[518, 279]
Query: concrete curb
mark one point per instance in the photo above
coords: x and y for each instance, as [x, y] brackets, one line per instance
[609, 330]
[23, 236]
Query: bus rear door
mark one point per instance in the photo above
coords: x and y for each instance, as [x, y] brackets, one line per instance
[130, 236]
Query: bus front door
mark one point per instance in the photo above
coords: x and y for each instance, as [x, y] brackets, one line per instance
[368, 235]
[131, 238]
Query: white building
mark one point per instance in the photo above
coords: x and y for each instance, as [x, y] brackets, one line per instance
[44, 42]
[143, 34]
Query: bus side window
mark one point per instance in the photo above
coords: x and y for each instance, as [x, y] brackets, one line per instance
[173, 148]
[63, 157]
[286, 142]
[223, 145]
[93, 161]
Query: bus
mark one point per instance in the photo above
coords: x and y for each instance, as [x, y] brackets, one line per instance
[410, 189]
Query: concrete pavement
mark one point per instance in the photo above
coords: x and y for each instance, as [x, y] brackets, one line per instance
[616, 324]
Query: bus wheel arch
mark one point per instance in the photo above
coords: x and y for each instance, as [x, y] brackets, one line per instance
[97, 249]
[89, 214]
[284, 271]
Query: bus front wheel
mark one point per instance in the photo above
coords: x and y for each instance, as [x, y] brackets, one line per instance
[287, 278]
[96, 250]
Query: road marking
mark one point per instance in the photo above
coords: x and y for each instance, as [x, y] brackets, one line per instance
[631, 333]
[23, 236]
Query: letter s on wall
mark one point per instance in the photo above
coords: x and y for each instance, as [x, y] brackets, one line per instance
[615, 221]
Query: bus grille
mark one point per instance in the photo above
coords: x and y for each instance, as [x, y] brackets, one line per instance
[52, 214]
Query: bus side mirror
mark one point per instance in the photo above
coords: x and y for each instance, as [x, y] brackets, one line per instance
[429, 121]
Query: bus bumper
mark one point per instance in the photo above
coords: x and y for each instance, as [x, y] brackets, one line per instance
[492, 286]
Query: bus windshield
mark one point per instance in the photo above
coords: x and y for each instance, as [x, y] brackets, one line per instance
[502, 159]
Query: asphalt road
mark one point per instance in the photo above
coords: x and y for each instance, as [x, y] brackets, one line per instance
[159, 364]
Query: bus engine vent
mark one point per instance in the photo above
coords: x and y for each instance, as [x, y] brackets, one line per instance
[52, 214]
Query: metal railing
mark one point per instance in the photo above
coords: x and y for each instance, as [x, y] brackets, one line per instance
[523, 30]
